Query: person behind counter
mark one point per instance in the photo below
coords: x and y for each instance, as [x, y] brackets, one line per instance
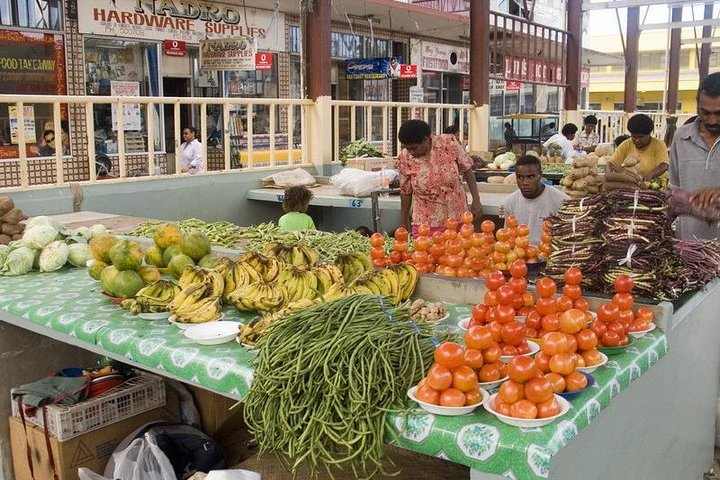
[587, 139]
[191, 152]
[651, 152]
[48, 147]
[295, 204]
[565, 140]
[533, 201]
[695, 160]
[431, 167]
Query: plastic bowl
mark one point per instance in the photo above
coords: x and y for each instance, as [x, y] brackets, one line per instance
[616, 350]
[641, 333]
[447, 411]
[492, 385]
[185, 326]
[464, 322]
[534, 348]
[528, 423]
[571, 395]
[592, 368]
[213, 333]
[154, 316]
[115, 300]
[100, 385]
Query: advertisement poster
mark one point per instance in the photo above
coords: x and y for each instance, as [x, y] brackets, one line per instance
[375, 68]
[29, 114]
[228, 54]
[131, 111]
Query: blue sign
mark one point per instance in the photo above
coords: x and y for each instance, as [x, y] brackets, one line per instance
[372, 68]
[356, 203]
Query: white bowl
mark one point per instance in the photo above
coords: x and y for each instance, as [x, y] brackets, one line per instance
[492, 385]
[185, 326]
[524, 422]
[464, 322]
[534, 348]
[592, 368]
[447, 411]
[641, 333]
[520, 318]
[213, 333]
[154, 316]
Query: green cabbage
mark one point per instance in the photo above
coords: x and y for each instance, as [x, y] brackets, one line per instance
[18, 262]
[98, 229]
[39, 236]
[54, 256]
[79, 254]
[4, 252]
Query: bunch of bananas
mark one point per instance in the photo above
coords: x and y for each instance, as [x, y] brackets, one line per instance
[240, 275]
[200, 296]
[152, 298]
[397, 282]
[300, 282]
[267, 267]
[298, 254]
[259, 297]
[352, 265]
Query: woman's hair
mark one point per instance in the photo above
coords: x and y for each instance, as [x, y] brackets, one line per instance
[569, 129]
[640, 124]
[413, 132]
[620, 139]
[453, 129]
[297, 199]
[590, 120]
[364, 231]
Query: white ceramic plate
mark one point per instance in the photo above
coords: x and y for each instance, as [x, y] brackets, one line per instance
[592, 368]
[213, 333]
[492, 385]
[528, 423]
[447, 411]
[185, 326]
[464, 322]
[641, 333]
[534, 348]
[154, 316]
[521, 318]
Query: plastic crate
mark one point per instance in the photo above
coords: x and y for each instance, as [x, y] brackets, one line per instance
[134, 396]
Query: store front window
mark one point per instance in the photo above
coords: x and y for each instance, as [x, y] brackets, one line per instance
[37, 14]
[122, 68]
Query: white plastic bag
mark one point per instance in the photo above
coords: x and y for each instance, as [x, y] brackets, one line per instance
[142, 459]
[359, 183]
[294, 178]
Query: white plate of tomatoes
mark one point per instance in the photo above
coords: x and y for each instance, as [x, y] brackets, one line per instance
[448, 411]
[534, 348]
[563, 405]
[592, 368]
[641, 333]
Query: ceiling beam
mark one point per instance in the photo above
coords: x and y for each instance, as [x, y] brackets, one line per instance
[699, 40]
[588, 5]
[687, 24]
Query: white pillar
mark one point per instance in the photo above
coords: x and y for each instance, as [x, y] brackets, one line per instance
[479, 129]
[318, 136]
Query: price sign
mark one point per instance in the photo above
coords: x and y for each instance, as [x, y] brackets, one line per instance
[356, 203]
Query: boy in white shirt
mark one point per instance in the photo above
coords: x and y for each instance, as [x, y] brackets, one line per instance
[565, 140]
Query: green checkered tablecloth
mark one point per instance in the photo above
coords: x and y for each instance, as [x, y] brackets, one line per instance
[69, 302]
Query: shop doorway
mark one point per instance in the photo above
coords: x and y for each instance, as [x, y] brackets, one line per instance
[175, 87]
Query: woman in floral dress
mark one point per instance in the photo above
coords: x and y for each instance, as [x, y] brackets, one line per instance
[432, 168]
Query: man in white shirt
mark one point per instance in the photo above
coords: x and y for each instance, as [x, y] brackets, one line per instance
[534, 201]
[565, 141]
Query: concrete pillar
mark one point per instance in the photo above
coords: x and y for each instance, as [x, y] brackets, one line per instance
[704, 67]
[574, 49]
[479, 128]
[631, 58]
[674, 63]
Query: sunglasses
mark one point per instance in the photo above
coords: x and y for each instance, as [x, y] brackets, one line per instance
[51, 139]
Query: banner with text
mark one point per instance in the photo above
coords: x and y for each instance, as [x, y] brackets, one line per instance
[228, 54]
[531, 70]
[377, 68]
[131, 111]
[188, 20]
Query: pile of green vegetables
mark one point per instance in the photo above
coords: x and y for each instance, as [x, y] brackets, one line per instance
[222, 234]
[358, 148]
[327, 376]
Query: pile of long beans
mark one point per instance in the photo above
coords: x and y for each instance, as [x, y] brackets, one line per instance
[326, 377]
[223, 234]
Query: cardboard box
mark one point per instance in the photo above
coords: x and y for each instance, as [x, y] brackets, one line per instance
[91, 450]
[371, 164]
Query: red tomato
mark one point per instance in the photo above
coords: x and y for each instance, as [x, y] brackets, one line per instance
[538, 389]
[528, 299]
[439, 377]
[424, 230]
[494, 280]
[421, 244]
[533, 320]
[557, 382]
[503, 408]
[518, 269]
[564, 303]
[377, 240]
[495, 328]
[548, 408]
[545, 287]
[437, 250]
[452, 398]
[377, 252]
[608, 312]
[554, 342]
[592, 357]
[572, 291]
[511, 391]
[572, 342]
[513, 333]
[505, 295]
[396, 257]
[489, 372]
[546, 306]
[586, 339]
[491, 298]
[579, 360]
[380, 262]
[427, 394]
[523, 347]
[562, 363]
[450, 355]
[624, 301]
[464, 378]
[542, 362]
[517, 302]
[599, 328]
[575, 381]
[644, 313]
[581, 304]
[473, 397]
[492, 354]
[624, 284]
[466, 230]
[487, 226]
[401, 234]
[626, 317]
[572, 321]
[550, 322]
[523, 409]
[478, 337]
[518, 285]
[509, 351]
[572, 276]
[504, 313]
[531, 332]
[610, 339]
[521, 369]
[473, 358]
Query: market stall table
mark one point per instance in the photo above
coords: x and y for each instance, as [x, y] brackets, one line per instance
[67, 305]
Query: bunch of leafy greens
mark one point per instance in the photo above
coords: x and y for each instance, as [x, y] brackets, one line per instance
[358, 148]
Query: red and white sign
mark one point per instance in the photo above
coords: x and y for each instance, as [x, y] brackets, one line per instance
[585, 77]
[512, 85]
[263, 61]
[174, 48]
[525, 69]
[408, 71]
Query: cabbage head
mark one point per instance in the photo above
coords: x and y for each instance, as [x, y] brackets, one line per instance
[54, 256]
[18, 262]
[39, 236]
[79, 254]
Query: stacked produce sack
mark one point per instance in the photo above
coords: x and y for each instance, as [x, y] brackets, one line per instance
[582, 179]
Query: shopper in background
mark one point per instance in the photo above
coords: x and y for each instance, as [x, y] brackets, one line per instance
[533, 201]
[48, 147]
[620, 139]
[651, 152]
[431, 170]
[695, 159]
[564, 140]
[587, 139]
[295, 204]
[509, 135]
[191, 152]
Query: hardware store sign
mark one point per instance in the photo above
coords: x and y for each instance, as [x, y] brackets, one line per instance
[228, 54]
[188, 21]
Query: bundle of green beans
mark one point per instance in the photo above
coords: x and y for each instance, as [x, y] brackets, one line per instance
[223, 234]
[327, 376]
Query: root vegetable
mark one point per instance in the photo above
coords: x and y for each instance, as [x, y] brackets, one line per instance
[6, 204]
[12, 229]
[14, 216]
[5, 239]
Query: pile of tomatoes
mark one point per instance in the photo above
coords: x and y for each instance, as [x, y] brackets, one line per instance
[453, 380]
[527, 393]
[617, 318]
[545, 247]
[400, 250]
[513, 242]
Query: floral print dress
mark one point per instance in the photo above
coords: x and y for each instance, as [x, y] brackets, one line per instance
[435, 182]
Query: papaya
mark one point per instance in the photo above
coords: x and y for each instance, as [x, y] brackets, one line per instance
[195, 245]
[149, 274]
[170, 252]
[167, 234]
[178, 263]
[154, 256]
[96, 269]
[100, 247]
[107, 276]
[126, 284]
[126, 255]
[208, 261]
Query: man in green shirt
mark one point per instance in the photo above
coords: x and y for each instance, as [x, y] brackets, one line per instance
[295, 204]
